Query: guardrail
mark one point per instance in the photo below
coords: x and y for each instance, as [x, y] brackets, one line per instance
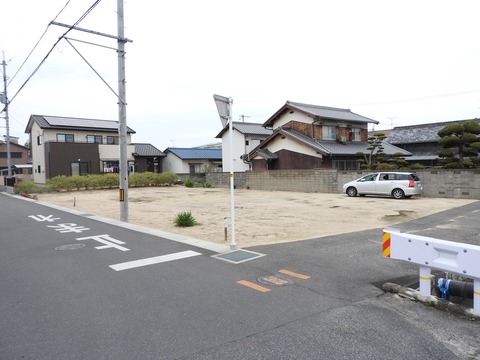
[458, 258]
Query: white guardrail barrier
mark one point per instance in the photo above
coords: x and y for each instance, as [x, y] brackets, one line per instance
[459, 258]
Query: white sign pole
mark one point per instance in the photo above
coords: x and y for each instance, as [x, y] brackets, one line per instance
[233, 245]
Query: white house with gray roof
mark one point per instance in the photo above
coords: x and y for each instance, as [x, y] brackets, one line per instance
[246, 137]
[192, 160]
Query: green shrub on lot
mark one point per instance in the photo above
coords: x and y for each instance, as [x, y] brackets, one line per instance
[166, 178]
[189, 183]
[28, 187]
[185, 219]
[109, 181]
[59, 183]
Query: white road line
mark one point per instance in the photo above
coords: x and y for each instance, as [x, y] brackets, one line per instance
[154, 260]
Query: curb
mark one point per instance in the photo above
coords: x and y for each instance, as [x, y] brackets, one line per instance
[431, 300]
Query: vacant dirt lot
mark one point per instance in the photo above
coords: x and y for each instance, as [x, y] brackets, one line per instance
[261, 217]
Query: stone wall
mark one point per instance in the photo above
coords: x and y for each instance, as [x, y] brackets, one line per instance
[440, 183]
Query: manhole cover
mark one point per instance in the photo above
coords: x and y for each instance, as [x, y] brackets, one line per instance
[274, 280]
[70, 247]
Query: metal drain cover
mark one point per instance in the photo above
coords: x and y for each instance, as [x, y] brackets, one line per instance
[70, 247]
[271, 280]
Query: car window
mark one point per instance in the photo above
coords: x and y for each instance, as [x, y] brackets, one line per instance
[385, 177]
[403, 177]
[370, 177]
[415, 177]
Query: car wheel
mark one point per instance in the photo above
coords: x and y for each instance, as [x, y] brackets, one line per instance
[398, 194]
[351, 191]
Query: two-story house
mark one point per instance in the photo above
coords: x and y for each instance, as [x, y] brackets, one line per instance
[74, 146]
[21, 168]
[246, 137]
[312, 136]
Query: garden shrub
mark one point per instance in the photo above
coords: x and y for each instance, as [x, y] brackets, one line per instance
[185, 219]
[110, 180]
[28, 187]
[189, 183]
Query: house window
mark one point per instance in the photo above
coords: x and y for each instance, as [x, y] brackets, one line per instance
[79, 168]
[112, 140]
[94, 139]
[345, 164]
[65, 138]
[195, 168]
[329, 133]
[247, 143]
[355, 134]
[39, 140]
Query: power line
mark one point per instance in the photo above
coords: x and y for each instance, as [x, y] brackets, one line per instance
[418, 98]
[54, 45]
[38, 42]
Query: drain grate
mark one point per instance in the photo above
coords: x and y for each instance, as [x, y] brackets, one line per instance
[70, 247]
[238, 256]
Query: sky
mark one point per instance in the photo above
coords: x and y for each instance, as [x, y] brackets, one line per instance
[397, 62]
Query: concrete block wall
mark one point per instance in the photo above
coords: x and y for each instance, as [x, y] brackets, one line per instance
[222, 180]
[311, 180]
[462, 184]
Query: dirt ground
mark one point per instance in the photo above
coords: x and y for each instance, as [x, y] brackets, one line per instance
[261, 217]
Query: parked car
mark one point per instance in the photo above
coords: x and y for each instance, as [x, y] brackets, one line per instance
[398, 185]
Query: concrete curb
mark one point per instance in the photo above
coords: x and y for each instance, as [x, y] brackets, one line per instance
[432, 301]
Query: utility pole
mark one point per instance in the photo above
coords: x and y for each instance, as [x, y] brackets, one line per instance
[5, 101]
[122, 104]
[243, 117]
[122, 114]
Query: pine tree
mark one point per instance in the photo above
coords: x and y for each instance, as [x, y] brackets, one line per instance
[460, 145]
[375, 154]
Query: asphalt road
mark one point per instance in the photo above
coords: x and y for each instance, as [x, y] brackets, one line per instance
[62, 301]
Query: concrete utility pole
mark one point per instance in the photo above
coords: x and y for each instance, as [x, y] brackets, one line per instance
[122, 114]
[7, 124]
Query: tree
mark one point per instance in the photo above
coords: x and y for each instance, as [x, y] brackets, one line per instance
[375, 154]
[460, 145]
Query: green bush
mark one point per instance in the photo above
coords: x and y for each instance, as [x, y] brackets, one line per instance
[28, 187]
[110, 180]
[189, 183]
[59, 183]
[185, 219]
[417, 166]
[166, 178]
[383, 166]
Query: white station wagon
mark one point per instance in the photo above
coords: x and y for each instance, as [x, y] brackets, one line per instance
[398, 185]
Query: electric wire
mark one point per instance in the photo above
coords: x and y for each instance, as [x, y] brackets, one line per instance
[53, 47]
[38, 42]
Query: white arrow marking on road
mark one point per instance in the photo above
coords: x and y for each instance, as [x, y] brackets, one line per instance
[154, 260]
